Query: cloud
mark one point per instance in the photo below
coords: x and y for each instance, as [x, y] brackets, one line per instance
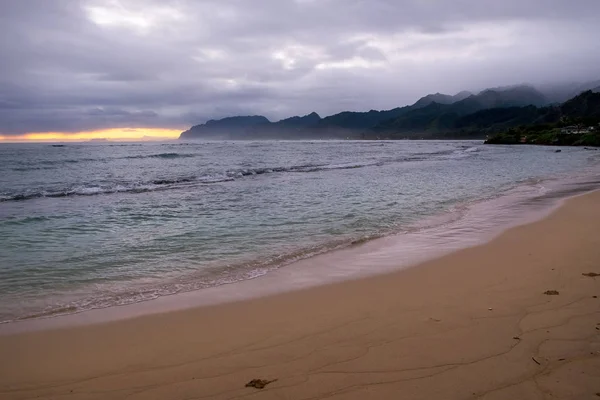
[76, 65]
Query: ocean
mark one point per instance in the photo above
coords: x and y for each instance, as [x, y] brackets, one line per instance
[93, 225]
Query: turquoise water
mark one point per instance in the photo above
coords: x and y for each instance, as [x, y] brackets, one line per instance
[86, 226]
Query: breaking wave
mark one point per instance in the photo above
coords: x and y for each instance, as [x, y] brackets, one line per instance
[89, 189]
[58, 163]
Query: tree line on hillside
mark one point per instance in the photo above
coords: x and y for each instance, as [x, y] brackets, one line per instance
[573, 123]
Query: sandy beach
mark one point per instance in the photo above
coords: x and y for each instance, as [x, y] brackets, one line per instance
[473, 324]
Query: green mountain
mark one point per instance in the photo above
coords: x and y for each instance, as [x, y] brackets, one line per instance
[499, 118]
[575, 122]
[226, 128]
[438, 119]
[349, 121]
[299, 122]
[347, 124]
[440, 99]
[463, 115]
[290, 128]
[584, 107]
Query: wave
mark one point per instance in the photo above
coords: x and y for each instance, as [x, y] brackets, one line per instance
[25, 169]
[164, 183]
[104, 159]
[88, 189]
[91, 190]
[238, 272]
[327, 167]
[161, 155]
[53, 164]
[295, 168]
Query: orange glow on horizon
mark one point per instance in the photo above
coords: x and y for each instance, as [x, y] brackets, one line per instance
[114, 134]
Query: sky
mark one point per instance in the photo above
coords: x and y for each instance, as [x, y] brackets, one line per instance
[140, 69]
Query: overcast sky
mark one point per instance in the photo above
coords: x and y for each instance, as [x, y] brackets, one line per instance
[77, 65]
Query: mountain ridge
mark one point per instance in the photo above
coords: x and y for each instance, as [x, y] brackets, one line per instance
[433, 115]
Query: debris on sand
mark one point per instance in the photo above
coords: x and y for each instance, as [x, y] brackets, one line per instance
[259, 383]
[551, 292]
[535, 361]
[591, 274]
[516, 338]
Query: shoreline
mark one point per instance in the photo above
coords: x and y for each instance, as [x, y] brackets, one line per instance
[470, 224]
[184, 263]
[472, 324]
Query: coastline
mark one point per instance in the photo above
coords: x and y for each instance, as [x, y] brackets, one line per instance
[469, 224]
[446, 329]
[192, 252]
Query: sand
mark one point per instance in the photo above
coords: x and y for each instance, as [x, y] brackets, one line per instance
[473, 324]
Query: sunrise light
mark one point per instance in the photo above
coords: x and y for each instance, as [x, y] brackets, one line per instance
[115, 134]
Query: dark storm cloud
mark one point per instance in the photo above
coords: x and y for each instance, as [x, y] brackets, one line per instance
[72, 65]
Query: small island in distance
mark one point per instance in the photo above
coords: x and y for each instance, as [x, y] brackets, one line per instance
[518, 114]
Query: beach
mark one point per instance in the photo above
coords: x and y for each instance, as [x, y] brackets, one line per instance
[473, 324]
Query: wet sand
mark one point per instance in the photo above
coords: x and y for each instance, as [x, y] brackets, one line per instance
[473, 324]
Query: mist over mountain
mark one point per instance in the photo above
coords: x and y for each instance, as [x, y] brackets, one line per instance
[441, 99]
[435, 115]
[559, 93]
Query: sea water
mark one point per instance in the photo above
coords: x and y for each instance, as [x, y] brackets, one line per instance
[93, 225]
